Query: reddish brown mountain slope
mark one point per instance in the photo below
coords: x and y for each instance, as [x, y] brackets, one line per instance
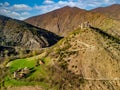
[64, 20]
[59, 21]
[112, 11]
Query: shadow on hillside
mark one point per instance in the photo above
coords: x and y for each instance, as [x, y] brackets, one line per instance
[106, 35]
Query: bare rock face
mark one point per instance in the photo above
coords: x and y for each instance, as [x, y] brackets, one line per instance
[18, 33]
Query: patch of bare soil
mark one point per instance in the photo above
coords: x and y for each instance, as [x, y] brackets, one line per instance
[24, 88]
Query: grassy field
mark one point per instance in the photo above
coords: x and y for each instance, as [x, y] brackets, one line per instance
[21, 63]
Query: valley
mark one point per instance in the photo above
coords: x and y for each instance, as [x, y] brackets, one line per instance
[53, 51]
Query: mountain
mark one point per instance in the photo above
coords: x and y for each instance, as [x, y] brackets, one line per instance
[60, 21]
[87, 58]
[20, 34]
[64, 20]
[112, 11]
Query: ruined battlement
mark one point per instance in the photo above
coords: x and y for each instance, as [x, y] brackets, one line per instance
[84, 25]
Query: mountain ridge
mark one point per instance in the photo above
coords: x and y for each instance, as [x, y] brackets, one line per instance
[58, 19]
[111, 11]
[18, 33]
[62, 21]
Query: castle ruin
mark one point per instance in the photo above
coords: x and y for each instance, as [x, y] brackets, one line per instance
[84, 25]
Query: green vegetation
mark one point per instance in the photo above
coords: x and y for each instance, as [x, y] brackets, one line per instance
[21, 63]
[37, 76]
[13, 82]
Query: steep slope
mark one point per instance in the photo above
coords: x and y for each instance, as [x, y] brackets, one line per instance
[92, 55]
[112, 11]
[18, 33]
[66, 19]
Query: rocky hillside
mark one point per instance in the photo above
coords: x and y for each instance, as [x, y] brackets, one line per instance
[66, 19]
[112, 11]
[88, 59]
[20, 34]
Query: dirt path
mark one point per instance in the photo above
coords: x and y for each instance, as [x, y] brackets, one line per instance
[24, 88]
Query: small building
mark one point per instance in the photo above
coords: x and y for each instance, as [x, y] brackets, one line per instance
[85, 25]
[25, 70]
[21, 73]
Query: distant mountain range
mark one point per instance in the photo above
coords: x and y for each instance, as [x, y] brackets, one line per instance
[60, 21]
[64, 20]
[112, 11]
